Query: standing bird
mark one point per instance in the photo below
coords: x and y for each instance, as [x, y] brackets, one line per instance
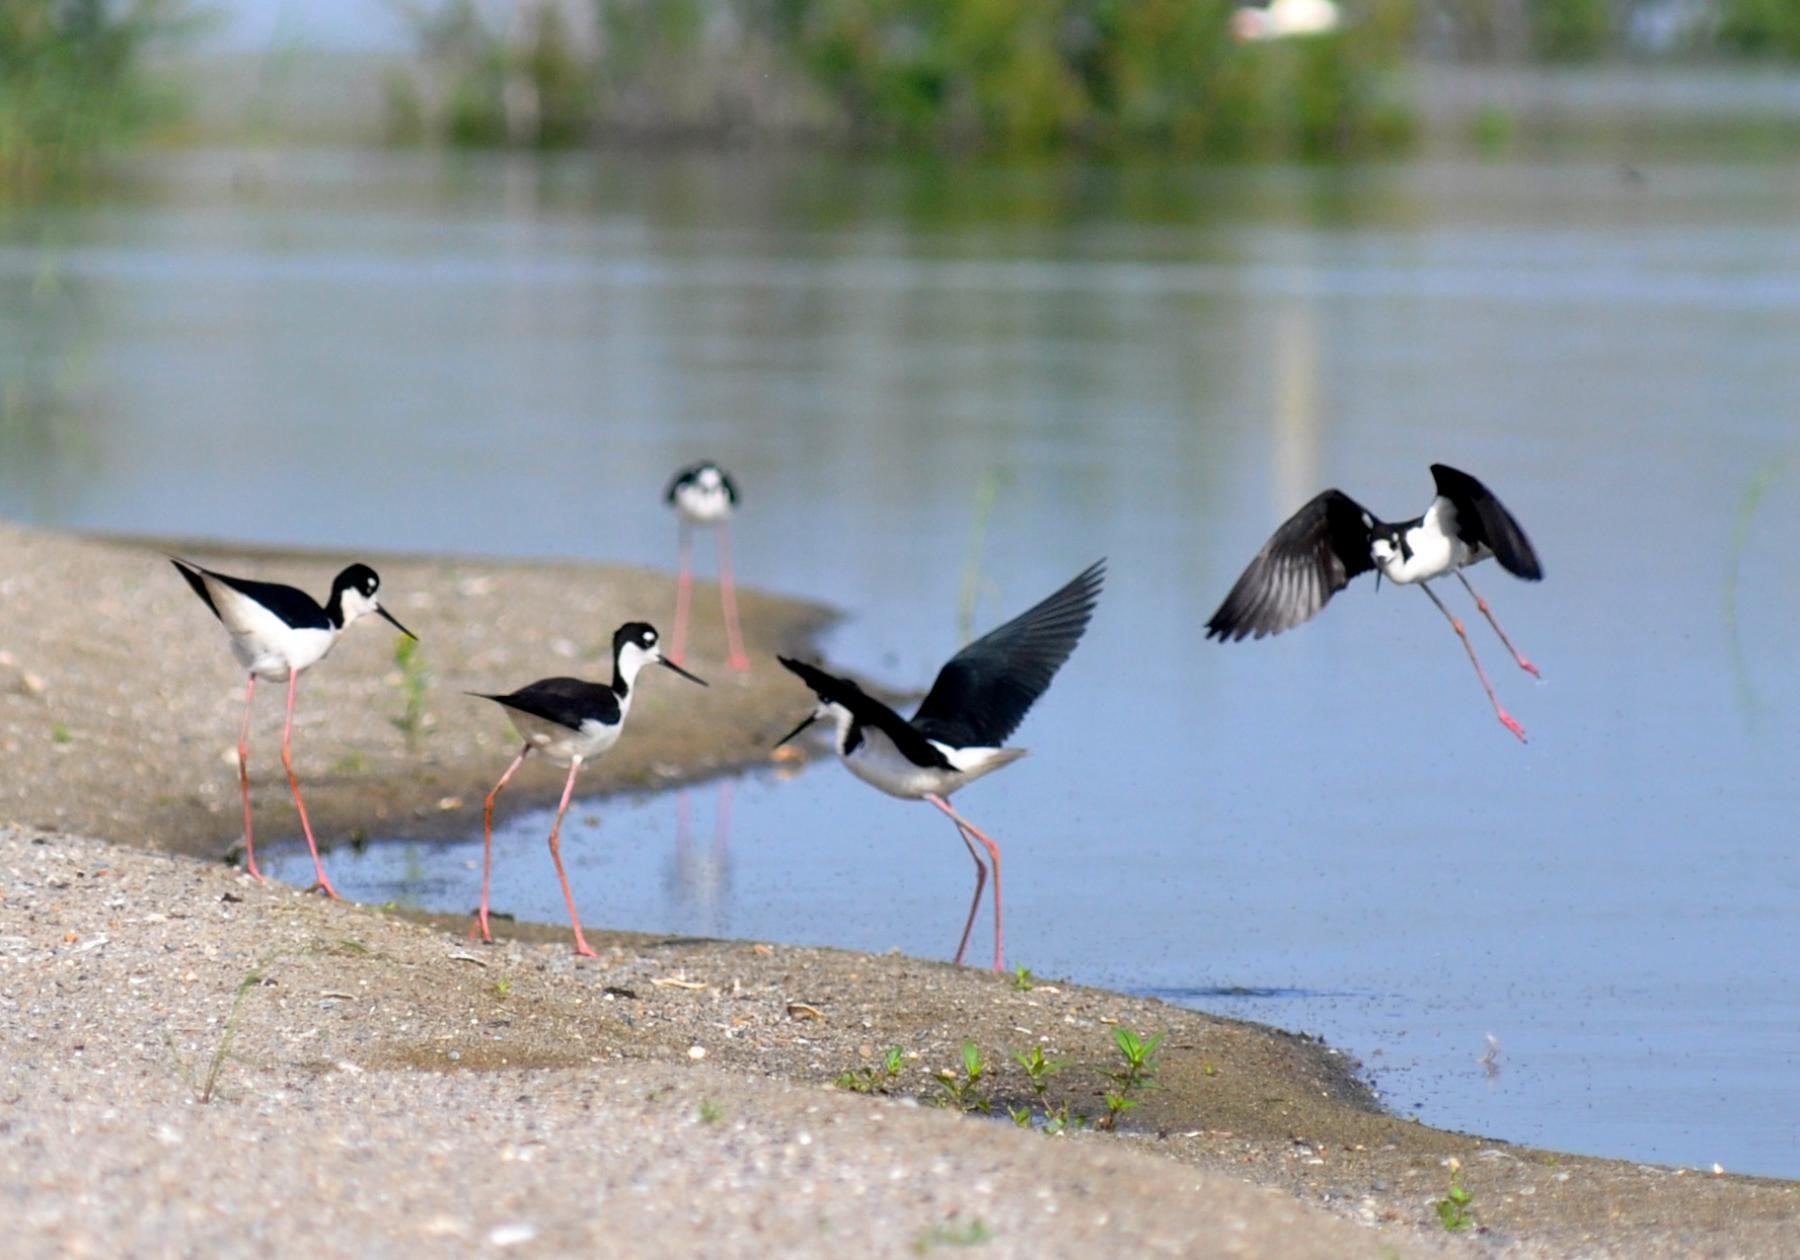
[571, 721]
[704, 494]
[277, 631]
[980, 697]
[1321, 547]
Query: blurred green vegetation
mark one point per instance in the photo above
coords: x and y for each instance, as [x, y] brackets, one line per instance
[1107, 75]
[73, 84]
[1570, 30]
[1761, 27]
[1007, 77]
[995, 76]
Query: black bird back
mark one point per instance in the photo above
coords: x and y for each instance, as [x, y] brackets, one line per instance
[984, 691]
[566, 701]
[295, 607]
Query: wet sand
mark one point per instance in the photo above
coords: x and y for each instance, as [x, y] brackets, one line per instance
[378, 1083]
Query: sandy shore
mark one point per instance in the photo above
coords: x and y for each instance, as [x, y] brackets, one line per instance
[198, 1065]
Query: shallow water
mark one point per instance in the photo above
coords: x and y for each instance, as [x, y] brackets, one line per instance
[1327, 830]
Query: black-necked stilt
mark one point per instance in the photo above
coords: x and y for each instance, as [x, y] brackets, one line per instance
[980, 697]
[277, 631]
[570, 721]
[704, 494]
[1333, 538]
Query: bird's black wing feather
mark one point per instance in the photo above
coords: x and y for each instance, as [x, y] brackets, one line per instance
[868, 711]
[192, 573]
[295, 607]
[565, 701]
[1483, 520]
[680, 478]
[1309, 559]
[984, 691]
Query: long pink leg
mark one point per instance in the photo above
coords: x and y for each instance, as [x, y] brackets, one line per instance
[728, 596]
[975, 901]
[287, 761]
[487, 847]
[994, 858]
[244, 782]
[684, 584]
[581, 945]
[1487, 612]
[1506, 718]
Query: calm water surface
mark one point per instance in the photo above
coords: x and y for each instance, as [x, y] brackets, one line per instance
[1326, 830]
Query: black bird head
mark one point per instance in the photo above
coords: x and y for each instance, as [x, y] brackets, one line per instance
[831, 691]
[353, 595]
[635, 645]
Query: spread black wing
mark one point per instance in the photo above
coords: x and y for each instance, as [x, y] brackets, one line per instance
[1482, 520]
[295, 607]
[1309, 559]
[984, 691]
[566, 701]
[868, 711]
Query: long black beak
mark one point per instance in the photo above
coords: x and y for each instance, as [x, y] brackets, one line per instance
[395, 623]
[808, 721]
[666, 663]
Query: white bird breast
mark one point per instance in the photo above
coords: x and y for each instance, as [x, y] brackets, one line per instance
[881, 765]
[1435, 548]
[272, 657]
[263, 643]
[701, 503]
[560, 743]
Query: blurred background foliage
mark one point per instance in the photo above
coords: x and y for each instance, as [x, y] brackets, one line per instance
[74, 82]
[999, 77]
[1007, 76]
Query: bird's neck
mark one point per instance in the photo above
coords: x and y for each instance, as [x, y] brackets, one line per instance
[849, 732]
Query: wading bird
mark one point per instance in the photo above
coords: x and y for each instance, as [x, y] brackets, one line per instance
[1333, 538]
[980, 697]
[277, 631]
[704, 494]
[570, 721]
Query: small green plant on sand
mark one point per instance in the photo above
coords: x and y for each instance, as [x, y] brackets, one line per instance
[413, 682]
[1138, 1073]
[503, 987]
[1023, 980]
[962, 1092]
[875, 1080]
[710, 1112]
[1038, 1070]
[1456, 1210]
[208, 1085]
[971, 1235]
